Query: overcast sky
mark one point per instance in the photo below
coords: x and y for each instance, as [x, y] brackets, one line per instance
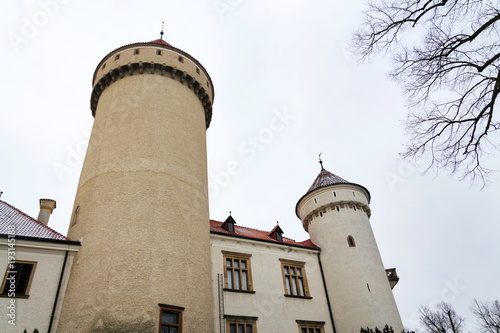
[286, 89]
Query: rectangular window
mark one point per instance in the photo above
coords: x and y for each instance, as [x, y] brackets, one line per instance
[18, 278]
[241, 324]
[170, 318]
[294, 278]
[237, 271]
[306, 326]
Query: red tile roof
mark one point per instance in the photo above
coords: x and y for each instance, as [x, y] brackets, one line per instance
[244, 232]
[25, 225]
[160, 41]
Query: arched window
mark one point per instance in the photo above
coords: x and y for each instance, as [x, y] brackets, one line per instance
[350, 241]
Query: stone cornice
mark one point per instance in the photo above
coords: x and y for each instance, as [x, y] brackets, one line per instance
[152, 68]
[331, 205]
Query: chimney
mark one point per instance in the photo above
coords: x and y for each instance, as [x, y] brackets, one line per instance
[46, 208]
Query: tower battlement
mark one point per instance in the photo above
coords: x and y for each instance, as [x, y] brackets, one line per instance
[156, 57]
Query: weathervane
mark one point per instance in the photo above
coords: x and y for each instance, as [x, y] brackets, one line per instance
[320, 161]
[161, 32]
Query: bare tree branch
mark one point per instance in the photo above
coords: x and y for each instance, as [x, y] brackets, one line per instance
[443, 320]
[487, 315]
[447, 60]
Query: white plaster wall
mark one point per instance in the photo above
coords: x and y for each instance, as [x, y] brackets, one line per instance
[358, 286]
[35, 311]
[275, 312]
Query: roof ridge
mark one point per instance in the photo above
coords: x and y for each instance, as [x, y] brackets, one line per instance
[263, 231]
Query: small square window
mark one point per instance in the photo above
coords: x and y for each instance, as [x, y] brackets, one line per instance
[117, 57]
[158, 52]
[197, 70]
[18, 278]
[181, 59]
[170, 319]
[136, 51]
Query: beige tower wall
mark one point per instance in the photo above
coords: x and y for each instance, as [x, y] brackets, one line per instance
[141, 208]
[357, 283]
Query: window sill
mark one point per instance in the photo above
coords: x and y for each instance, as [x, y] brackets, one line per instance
[240, 291]
[295, 296]
[17, 296]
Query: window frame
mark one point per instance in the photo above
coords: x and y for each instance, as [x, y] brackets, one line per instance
[308, 324]
[240, 320]
[305, 286]
[164, 308]
[8, 271]
[228, 255]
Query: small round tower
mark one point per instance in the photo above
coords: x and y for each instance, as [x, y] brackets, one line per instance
[141, 208]
[336, 214]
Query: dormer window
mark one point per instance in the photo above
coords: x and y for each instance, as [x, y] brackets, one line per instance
[276, 233]
[229, 224]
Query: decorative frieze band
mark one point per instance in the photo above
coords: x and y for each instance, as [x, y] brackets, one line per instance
[332, 206]
[152, 68]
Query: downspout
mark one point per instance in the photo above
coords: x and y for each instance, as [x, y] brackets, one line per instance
[326, 293]
[58, 290]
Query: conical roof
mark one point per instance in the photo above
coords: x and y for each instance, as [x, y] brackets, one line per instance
[160, 41]
[326, 178]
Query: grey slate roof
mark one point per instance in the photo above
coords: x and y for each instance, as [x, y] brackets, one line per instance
[326, 178]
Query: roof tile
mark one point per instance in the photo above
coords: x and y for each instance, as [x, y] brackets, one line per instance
[24, 224]
[216, 227]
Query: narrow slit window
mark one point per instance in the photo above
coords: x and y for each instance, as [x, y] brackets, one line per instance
[350, 241]
[338, 208]
[117, 57]
[103, 66]
[354, 207]
[353, 194]
[197, 70]
[315, 201]
[321, 214]
[75, 215]
[334, 194]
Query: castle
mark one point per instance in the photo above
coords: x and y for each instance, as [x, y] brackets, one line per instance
[142, 254]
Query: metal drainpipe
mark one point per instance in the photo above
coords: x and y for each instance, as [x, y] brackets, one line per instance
[57, 293]
[326, 293]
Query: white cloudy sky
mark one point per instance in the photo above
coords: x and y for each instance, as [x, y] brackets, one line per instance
[265, 58]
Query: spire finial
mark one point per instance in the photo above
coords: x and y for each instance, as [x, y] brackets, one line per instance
[229, 213]
[161, 32]
[321, 162]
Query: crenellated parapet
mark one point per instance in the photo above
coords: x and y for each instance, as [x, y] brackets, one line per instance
[158, 58]
[335, 207]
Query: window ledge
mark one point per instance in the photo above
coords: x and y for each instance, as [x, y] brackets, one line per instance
[296, 296]
[17, 296]
[240, 291]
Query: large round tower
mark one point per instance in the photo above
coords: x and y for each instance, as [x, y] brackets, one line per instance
[336, 214]
[141, 208]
